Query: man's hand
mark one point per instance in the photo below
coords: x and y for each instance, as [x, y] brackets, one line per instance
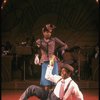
[51, 63]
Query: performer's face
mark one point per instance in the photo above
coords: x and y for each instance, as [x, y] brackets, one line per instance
[47, 34]
[64, 73]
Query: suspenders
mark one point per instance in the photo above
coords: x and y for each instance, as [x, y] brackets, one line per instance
[52, 96]
[67, 85]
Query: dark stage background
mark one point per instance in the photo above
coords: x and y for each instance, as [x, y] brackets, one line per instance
[77, 24]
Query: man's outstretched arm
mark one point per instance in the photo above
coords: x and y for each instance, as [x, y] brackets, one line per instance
[49, 76]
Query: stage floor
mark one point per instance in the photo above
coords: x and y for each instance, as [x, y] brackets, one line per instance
[89, 94]
[12, 90]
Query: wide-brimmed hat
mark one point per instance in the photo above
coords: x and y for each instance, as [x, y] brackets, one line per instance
[48, 27]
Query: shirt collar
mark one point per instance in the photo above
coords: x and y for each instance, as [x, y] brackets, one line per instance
[68, 79]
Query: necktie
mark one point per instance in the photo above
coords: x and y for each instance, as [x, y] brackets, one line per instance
[61, 92]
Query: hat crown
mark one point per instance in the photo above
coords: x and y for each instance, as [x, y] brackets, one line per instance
[68, 67]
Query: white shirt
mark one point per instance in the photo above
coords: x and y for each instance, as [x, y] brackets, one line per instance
[73, 89]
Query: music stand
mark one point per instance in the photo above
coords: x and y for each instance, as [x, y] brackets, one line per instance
[23, 51]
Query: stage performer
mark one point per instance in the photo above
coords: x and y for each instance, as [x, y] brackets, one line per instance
[65, 89]
[47, 46]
